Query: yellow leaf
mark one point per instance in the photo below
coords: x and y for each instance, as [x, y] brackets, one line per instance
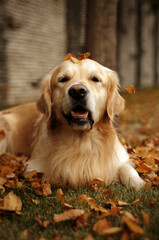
[133, 226]
[60, 196]
[130, 89]
[11, 203]
[47, 189]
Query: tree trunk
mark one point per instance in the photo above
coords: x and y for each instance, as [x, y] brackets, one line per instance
[101, 34]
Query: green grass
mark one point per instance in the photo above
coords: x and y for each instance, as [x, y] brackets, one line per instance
[12, 225]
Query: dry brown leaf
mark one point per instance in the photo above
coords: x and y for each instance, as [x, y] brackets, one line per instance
[31, 175]
[91, 202]
[146, 218]
[2, 189]
[67, 215]
[128, 215]
[111, 231]
[133, 226]
[81, 199]
[101, 225]
[89, 237]
[108, 193]
[2, 133]
[83, 220]
[25, 234]
[46, 189]
[11, 203]
[10, 184]
[130, 89]
[42, 223]
[68, 206]
[60, 196]
[3, 180]
[152, 202]
[68, 56]
[35, 201]
[83, 55]
[5, 170]
[97, 182]
[137, 201]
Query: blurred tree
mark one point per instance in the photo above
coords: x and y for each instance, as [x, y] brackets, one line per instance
[101, 39]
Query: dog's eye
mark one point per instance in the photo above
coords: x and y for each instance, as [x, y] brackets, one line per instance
[95, 79]
[64, 79]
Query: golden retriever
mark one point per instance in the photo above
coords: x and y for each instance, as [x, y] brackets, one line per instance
[68, 133]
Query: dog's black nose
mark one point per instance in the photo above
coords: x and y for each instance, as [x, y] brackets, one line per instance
[78, 91]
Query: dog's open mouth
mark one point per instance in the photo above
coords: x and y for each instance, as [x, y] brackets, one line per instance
[79, 112]
[80, 116]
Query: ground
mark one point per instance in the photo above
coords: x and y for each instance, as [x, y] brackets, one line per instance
[32, 209]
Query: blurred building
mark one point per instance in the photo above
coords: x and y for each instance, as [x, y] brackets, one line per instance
[36, 35]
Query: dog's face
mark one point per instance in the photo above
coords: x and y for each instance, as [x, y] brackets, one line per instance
[80, 94]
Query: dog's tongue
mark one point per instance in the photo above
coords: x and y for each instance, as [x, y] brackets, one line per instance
[79, 114]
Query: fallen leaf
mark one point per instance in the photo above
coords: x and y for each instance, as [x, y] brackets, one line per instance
[2, 133]
[111, 231]
[42, 223]
[46, 189]
[68, 206]
[3, 180]
[60, 196]
[152, 202]
[101, 225]
[35, 201]
[89, 237]
[130, 89]
[2, 190]
[128, 215]
[91, 202]
[83, 220]
[108, 193]
[146, 218]
[137, 201]
[11, 203]
[133, 226]
[25, 234]
[67, 215]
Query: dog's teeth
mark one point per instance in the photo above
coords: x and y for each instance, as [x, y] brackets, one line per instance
[79, 114]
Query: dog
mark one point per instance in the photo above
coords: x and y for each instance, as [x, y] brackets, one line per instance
[68, 133]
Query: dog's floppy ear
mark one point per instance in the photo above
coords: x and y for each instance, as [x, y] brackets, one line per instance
[44, 103]
[115, 103]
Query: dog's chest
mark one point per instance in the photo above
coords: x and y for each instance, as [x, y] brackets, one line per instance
[77, 160]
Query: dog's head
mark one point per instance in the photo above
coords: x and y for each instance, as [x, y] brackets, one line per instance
[81, 94]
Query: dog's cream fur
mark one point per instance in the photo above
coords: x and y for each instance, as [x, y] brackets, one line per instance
[71, 153]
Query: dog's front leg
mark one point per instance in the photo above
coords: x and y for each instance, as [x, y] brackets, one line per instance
[129, 176]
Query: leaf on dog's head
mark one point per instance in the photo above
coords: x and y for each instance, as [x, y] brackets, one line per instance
[68, 56]
[130, 89]
[2, 133]
[83, 55]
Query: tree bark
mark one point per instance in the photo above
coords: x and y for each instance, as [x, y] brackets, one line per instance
[101, 33]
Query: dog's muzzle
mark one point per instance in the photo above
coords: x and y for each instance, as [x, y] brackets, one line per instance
[79, 114]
